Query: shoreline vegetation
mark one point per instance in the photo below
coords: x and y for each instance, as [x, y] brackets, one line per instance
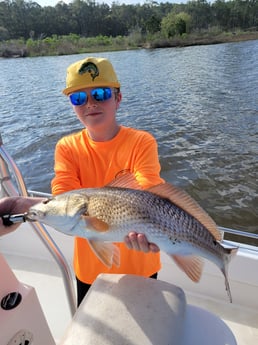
[75, 44]
[86, 26]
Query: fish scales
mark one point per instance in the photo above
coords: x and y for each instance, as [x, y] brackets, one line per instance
[125, 209]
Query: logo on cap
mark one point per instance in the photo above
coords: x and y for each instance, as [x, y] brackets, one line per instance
[89, 67]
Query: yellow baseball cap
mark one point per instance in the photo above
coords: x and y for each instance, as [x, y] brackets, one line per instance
[90, 72]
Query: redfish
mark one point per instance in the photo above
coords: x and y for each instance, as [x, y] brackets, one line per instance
[167, 215]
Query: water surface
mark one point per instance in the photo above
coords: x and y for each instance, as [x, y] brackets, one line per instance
[201, 104]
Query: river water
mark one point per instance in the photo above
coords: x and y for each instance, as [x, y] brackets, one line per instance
[201, 104]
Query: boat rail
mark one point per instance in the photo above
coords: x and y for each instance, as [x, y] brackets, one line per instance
[9, 169]
[239, 233]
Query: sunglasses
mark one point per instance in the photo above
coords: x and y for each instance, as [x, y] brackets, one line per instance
[99, 94]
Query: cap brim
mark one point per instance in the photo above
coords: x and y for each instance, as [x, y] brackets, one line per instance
[67, 91]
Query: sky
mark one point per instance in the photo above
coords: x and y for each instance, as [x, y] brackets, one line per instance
[54, 2]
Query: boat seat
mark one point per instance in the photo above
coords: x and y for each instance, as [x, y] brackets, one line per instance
[132, 310]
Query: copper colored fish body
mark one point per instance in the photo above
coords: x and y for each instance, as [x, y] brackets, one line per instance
[166, 215]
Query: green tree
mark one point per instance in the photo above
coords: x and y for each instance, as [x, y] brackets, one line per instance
[175, 24]
[19, 17]
[200, 12]
[87, 18]
[153, 24]
[221, 14]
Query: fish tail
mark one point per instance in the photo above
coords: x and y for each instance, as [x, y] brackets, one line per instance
[230, 253]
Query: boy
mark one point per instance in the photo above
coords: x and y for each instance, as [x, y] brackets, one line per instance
[97, 155]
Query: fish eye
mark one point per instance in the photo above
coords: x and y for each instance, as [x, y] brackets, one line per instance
[47, 201]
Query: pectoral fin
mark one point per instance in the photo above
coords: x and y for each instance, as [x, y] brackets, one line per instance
[191, 265]
[95, 224]
[108, 253]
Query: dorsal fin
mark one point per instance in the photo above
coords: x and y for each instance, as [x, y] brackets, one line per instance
[125, 180]
[188, 204]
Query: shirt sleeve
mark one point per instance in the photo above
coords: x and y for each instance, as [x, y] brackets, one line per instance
[66, 171]
[147, 166]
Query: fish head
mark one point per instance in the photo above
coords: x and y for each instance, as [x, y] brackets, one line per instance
[62, 212]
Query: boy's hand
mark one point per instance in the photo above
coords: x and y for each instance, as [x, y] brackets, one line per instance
[139, 242]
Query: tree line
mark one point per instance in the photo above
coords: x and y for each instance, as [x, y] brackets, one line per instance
[87, 18]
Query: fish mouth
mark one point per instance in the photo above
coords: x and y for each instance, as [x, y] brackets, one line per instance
[32, 216]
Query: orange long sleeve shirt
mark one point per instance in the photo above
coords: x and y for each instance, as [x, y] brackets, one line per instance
[83, 163]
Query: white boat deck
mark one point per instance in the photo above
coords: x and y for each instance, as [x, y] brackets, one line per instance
[241, 316]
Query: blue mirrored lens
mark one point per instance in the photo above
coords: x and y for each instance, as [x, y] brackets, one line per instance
[101, 94]
[78, 98]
